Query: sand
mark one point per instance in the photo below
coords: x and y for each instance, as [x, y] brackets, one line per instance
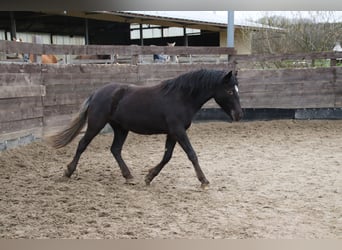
[268, 180]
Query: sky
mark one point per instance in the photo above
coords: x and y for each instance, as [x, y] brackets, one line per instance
[324, 16]
[247, 17]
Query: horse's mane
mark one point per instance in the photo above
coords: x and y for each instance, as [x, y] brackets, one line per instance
[194, 82]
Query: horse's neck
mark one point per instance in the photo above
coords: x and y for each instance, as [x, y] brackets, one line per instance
[201, 99]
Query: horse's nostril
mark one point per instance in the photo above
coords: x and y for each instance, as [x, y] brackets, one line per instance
[237, 116]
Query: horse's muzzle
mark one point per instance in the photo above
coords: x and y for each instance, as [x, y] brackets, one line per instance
[236, 116]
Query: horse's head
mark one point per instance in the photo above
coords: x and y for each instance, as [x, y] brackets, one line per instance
[227, 96]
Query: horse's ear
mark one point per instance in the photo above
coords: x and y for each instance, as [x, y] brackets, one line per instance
[227, 77]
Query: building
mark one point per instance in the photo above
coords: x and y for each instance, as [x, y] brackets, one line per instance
[186, 28]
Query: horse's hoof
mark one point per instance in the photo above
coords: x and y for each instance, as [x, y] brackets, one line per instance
[148, 183]
[205, 186]
[148, 179]
[63, 179]
[66, 174]
[130, 181]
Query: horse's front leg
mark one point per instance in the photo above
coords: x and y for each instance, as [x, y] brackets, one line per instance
[184, 141]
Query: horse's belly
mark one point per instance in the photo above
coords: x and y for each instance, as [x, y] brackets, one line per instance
[142, 113]
[142, 127]
[142, 124]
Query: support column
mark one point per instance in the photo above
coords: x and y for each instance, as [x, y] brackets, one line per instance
[230, 29]
[186, 38]
[13, 26]
[86, 31]
[141, 35]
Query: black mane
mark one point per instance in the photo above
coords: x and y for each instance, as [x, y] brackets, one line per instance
[194, 82]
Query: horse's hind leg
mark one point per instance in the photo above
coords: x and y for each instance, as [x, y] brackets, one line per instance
[91, 132]
[120, 136]
[169, 146]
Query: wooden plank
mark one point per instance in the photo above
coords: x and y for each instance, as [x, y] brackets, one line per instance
[283, 57]
[88, 68]
[13, 126]
[294, 101]
[10, 79]
[22, 47]
[72, 89]
[53, 78]
[168, 71]
[23, 102]
[29, 68]
[21, 113]
[289, 99]
[87, 78]
[61, 110]
[21, 91]
[108, 78]
[65, 98]
[14, 109]
[288, 87]
[36, 132]
[285, 75]
[60, 121]
[180, 50]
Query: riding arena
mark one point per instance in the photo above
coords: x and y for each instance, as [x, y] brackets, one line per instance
[225, 148]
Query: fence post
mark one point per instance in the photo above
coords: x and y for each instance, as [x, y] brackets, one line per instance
[135, 59]
[37, 58]
[232, 61]
[114, 59]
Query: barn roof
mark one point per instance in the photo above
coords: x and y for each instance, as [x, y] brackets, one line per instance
[205, 20]
[211, 18]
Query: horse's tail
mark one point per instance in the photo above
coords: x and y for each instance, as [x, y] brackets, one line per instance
[65, 136]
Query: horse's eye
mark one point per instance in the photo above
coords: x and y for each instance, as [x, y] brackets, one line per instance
[230, 92]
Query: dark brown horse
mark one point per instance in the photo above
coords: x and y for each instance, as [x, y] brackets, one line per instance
[167, 108]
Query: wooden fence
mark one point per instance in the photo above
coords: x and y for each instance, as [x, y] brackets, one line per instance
[36, 99]
[132, 52]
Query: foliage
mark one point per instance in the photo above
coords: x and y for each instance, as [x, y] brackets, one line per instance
[317, 33]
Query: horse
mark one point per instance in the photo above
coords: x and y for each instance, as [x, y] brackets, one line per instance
[165, 108]
[92, 57]
[46, 59]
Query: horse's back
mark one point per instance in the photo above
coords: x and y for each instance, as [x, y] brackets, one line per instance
[105, 93]
[46, 59]
[147, 110]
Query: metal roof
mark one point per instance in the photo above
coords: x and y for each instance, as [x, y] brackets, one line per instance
[190, 18]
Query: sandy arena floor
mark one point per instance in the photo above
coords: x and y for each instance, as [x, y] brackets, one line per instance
[275, 179]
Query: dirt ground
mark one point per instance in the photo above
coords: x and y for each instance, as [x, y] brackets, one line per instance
[270, 179]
